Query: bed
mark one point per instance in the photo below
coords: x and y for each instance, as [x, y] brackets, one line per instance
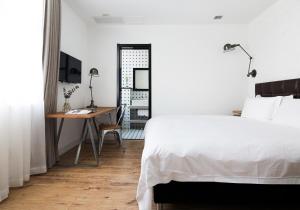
[221, 158]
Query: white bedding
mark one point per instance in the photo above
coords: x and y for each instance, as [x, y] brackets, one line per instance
[217, 149]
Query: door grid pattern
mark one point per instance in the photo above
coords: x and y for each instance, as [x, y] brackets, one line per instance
[131, 59]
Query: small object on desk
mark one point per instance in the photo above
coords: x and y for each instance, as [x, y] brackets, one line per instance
[67, 96]
[66, 106]
[79, 111]
[237, 113]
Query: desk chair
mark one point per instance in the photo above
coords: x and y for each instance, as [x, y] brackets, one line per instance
[115, 128]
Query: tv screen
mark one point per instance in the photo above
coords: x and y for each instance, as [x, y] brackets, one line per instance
[70, 69]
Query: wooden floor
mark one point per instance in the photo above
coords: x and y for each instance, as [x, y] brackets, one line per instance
[110, 186]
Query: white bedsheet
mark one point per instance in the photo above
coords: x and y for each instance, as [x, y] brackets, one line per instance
[217, 149]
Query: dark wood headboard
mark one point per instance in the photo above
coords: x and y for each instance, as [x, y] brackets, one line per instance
[279, 88]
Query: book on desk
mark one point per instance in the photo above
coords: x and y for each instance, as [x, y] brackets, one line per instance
[79, 111]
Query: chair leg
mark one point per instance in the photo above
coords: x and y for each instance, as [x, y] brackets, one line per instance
[103, 132]
[100, 141]
[119, 137]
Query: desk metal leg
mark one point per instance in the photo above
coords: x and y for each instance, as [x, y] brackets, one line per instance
[89, 124]
[82, 138]
[100, 140]
[57, 138]
[96, 128]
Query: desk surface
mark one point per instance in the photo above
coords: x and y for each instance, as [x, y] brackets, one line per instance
[99, 111]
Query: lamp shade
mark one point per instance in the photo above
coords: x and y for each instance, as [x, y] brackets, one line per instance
[228, 47]
[94, 72]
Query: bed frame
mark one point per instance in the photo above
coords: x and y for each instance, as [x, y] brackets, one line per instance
[279, 88]
[227, 193]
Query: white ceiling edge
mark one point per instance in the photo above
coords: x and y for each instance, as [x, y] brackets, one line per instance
[91, 22]
[165, 26]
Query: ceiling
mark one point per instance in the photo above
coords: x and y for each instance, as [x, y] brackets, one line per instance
[159, 12]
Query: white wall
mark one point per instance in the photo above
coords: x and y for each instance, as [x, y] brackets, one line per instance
[190, 72]
[274, 39]
[74, 43]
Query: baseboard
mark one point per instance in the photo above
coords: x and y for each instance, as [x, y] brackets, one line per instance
[4, 194]
[38, 170]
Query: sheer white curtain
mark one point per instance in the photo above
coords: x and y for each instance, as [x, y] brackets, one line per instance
[22, 127]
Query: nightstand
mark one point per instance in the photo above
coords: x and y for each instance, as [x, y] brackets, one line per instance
[236, 113]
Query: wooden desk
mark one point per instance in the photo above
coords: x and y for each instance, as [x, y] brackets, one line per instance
[89, 123]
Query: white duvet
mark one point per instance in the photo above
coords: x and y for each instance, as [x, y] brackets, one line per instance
[217, 149]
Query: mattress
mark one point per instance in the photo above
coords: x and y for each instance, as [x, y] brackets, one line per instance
[217, 149]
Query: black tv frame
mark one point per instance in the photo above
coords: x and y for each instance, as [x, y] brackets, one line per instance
[64, 69]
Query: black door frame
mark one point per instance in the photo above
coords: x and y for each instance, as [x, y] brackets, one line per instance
[119, 71]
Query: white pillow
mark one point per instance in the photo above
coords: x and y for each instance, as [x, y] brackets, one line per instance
[288, 113]
[288, 97]
[261, 108]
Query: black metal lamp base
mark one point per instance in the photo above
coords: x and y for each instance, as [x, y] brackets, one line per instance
[92, 105]
[253, 73]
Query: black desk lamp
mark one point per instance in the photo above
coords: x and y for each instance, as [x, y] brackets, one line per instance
[230, 47]
[93, 73]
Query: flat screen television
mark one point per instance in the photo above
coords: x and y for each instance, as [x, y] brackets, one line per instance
[70, 69]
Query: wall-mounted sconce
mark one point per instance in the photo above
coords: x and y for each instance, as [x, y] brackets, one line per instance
[230, 47]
